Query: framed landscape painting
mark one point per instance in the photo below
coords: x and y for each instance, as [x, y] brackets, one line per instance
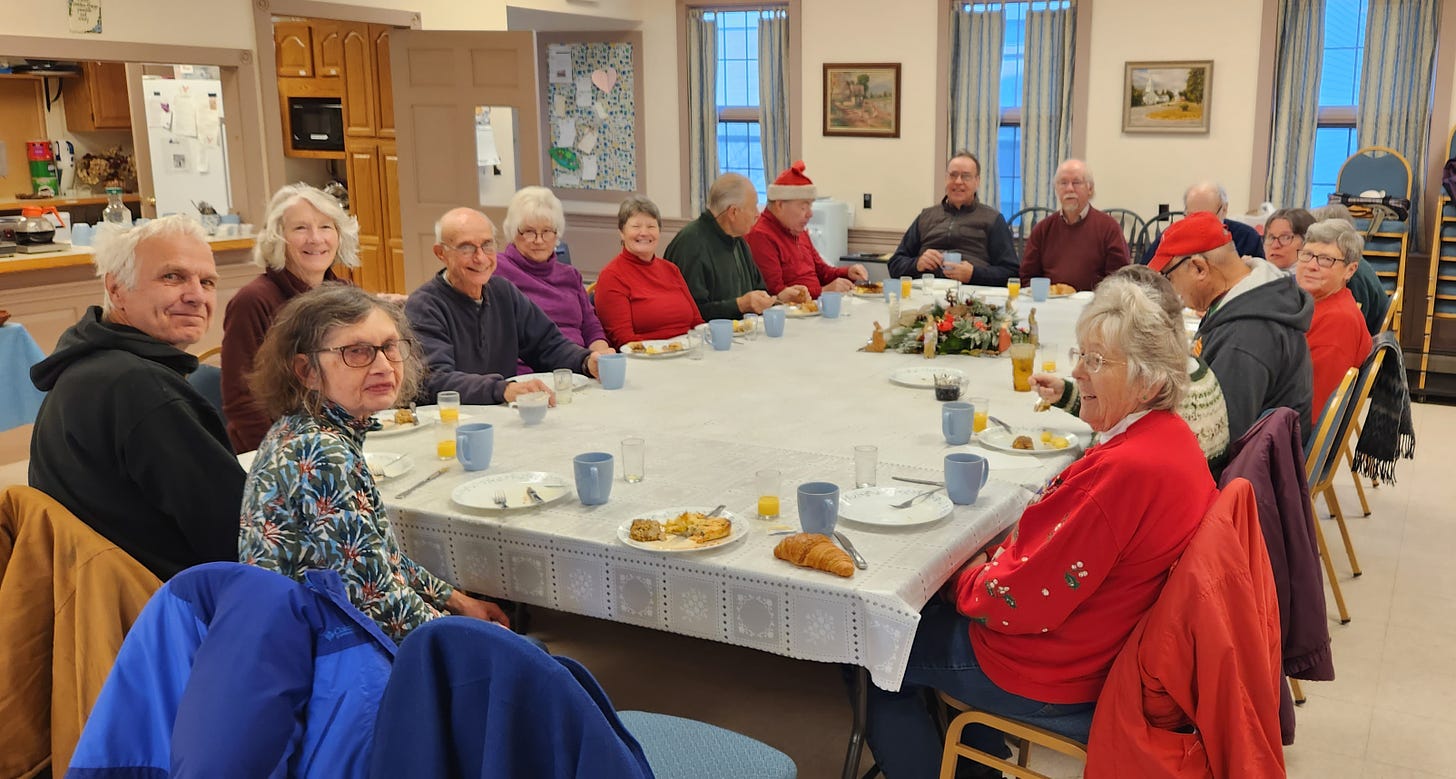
[862, 99]
[1167, 97]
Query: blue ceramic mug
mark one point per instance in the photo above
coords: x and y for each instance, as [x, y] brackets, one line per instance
[1041, 286]
[955, 422]
[818, 507]
[829, 303]
[773, 321]
[721, 331]
[474, 444]
[612, 370]
[593, 477]
[965, 475]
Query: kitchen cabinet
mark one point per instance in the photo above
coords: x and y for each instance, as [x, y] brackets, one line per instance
[359, 81]
[373, 170]
[384, 85]
[98, 99]
[293, 48]
[328, 48]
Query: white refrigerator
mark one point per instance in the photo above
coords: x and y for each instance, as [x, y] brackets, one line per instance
[185, 130]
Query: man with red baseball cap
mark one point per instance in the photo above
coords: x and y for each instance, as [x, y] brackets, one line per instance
[1253, 329]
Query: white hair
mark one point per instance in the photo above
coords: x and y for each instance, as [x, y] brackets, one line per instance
[730, 189]
[440, 223]
[1086, 171]
[271, 250]
[1342, 234]
[1123, 315]
[1206, 186]
[116, 247]
[533, 204]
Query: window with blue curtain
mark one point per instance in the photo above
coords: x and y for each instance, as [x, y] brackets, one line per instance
[739, 148]
[1013, 60]
[1339, 93]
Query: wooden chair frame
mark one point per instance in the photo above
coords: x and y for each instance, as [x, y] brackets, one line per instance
[1025, 736]
[209, 354]
[1019, 235]
[1385, 326]
[1153, 230]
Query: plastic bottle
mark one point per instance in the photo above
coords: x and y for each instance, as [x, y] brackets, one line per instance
[116, 212]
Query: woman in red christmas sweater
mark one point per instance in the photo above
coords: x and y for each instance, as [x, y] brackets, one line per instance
[1028, 629]
[640, 296]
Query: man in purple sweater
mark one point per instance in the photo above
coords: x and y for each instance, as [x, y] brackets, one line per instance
[473, 327]
[1078, 245]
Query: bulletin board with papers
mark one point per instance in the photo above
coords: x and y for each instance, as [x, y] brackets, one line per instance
[592, 92]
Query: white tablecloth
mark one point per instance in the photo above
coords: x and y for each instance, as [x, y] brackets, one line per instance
[798, 404]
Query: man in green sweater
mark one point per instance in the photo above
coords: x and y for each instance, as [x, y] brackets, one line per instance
[715, 260]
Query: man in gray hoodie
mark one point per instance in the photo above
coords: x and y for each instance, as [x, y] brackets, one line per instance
[1254, 321]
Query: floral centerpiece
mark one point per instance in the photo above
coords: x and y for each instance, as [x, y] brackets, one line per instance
[972, 327]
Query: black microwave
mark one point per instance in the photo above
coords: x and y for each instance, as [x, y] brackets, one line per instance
[317, 123]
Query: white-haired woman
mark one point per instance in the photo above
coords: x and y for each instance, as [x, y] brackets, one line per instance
[1028, 629]
[305, 232]
[534, 222]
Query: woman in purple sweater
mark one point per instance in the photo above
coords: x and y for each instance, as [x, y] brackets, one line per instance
[534, 222]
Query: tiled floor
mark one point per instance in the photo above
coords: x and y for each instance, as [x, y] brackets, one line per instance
[1391, 712]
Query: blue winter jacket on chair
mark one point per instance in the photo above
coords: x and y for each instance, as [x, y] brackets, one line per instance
[234, 671]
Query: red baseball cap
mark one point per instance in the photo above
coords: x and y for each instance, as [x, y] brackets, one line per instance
[1193, 234]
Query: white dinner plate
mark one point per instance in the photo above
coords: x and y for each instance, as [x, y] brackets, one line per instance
[480, 493]
[677, 544]
[578, 381]
[796, 311]
[923, 377]
[392, 428]
[659, 349]
[996, 438]
[1002, 462]
[871, 506]
[388, 465]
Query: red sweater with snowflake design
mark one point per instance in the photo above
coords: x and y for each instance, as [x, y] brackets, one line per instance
[1089, 557]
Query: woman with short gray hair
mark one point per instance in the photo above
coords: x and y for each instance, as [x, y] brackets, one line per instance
[1338, 336]
[303, 235]
[1029, 628]
[534, 223]
[641, 296]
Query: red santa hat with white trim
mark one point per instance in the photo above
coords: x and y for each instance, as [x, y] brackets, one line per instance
[792, 184]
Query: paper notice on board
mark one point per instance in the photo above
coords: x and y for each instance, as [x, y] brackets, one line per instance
[566, 133]
[558, 105]
[558, 64]
[84, 16]
[568, 180]
[178, 157]
[584, 92]
[601, 110]
[586, 143]
[184, 116]
[158, 113]
[589, 167]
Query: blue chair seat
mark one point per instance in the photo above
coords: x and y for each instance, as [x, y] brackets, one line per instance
[678, 748]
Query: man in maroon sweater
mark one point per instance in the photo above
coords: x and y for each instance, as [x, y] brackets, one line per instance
[1079, 245]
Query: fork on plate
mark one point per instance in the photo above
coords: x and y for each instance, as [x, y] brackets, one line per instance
[500, 499]
[905, 504]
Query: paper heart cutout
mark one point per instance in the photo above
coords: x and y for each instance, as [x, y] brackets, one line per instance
[605, 79]
[166, 108]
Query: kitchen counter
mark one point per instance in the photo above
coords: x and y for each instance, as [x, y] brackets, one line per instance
[62, 203]
[81, 255]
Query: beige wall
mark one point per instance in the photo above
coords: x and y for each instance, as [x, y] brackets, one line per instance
[214, 23]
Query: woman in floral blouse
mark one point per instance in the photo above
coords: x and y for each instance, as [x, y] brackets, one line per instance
[336, 355]
[1029, 628]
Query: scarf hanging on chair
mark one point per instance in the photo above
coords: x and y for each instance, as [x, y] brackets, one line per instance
[1389, 432]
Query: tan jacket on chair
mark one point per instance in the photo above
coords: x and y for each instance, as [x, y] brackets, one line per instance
[67, 598]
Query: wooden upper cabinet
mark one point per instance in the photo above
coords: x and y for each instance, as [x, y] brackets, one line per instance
[98, 100]
[384, 115]
[328, 49]
[293, 48]
[359, 82]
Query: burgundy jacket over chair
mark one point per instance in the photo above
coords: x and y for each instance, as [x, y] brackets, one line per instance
[1271, 457]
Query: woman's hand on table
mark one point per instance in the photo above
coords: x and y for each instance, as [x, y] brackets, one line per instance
[516, 389]
[1047, 386]
[948, 591]
[466, 606]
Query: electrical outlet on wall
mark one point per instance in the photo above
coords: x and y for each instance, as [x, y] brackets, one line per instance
[868, 200]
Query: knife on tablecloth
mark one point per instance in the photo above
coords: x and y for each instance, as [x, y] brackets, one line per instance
[859, 561]
[421, 483]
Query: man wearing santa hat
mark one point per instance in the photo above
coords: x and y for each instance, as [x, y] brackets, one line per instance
[782, 250]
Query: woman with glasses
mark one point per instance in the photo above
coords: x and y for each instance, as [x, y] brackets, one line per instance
[641, 296]
[304, 234]
[333, 358]
[1029, 628]
[534, 224]
[1338, 337]
[1202, 406]
[1284, 236]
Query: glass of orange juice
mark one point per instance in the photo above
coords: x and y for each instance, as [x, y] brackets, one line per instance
[980, 409]
[769, 482]
[1013, 289]
[1048, 357]
[448, 404]
[905, 287]
[1023, 362]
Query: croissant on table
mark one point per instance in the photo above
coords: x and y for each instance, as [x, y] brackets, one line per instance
[814, 550]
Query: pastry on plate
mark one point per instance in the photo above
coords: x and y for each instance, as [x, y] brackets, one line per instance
[710, 529]
[1061, 289]
[646, 530]
[1023, 442]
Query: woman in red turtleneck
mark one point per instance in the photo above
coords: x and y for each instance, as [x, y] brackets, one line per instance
[640, 296]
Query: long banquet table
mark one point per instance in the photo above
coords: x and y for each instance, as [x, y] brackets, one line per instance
[798, 404]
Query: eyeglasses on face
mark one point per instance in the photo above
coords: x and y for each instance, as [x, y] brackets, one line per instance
[1279, 240]
[1168, 271]
[549, 234]
[471, 249]
[1324, 260]
[1073, 183]
[363, 355]
[957, 175]
[1092, 360]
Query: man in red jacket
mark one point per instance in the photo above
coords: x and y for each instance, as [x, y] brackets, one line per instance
[782, 250]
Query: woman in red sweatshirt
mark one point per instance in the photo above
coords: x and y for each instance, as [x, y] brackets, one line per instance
[1338, 338]
[1028, 629]
[640, 296]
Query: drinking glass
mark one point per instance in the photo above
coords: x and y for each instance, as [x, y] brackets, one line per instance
[865, 459]
[1023, 362]
[1048, 357]
[905, 290]
[753, 326]
[634, 459]
[769, 484]
[1013, 289]
[563, 379]
[981, 409]
[696, 346]
[927, 282]
[448, 405]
